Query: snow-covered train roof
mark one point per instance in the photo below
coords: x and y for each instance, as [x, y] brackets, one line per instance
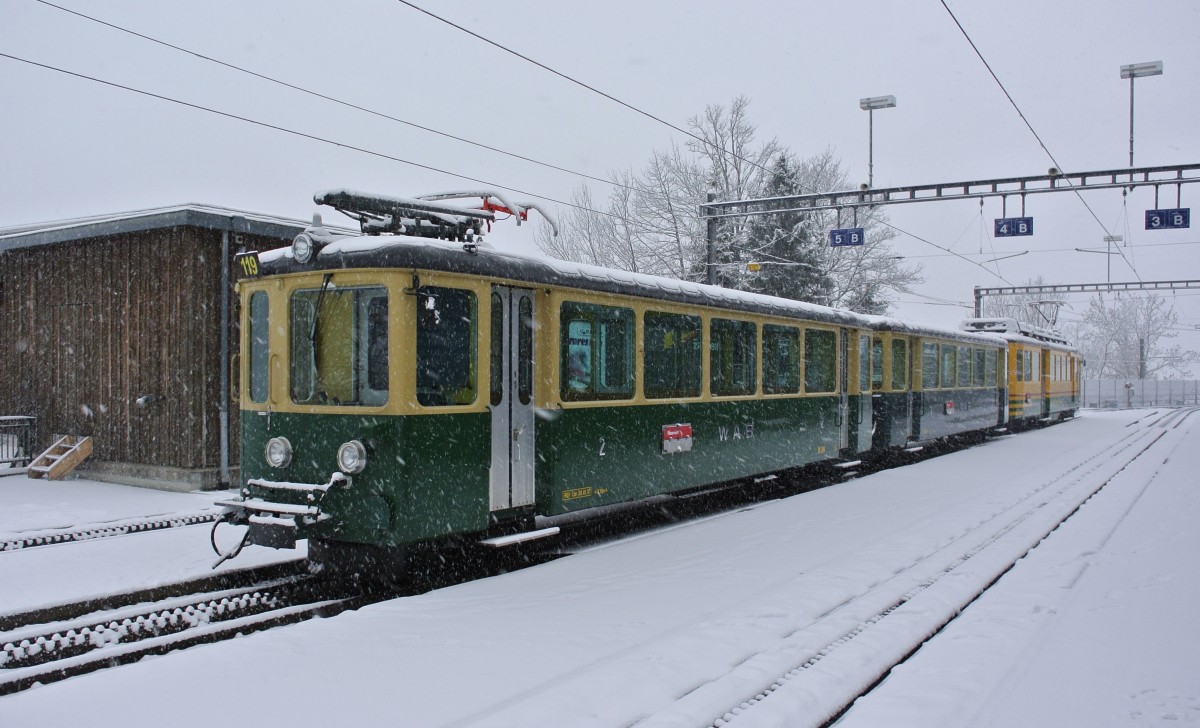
[406, 252]
[1018, 331]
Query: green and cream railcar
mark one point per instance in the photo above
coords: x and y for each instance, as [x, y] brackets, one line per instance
[403, 390]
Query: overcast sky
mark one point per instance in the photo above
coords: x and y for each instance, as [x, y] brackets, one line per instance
[72, 147]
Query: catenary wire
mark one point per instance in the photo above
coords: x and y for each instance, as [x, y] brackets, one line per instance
[383, 155]
[367, 110]
[723, 151]
[1030, 127]
[644, 113]
[301, 134]
[326, 97]
[579, 83]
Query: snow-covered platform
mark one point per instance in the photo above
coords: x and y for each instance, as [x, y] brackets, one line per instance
[1091, 628]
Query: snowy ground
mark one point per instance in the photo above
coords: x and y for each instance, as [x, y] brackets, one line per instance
[771, 615]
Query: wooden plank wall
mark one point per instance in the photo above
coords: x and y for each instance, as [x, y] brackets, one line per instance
[88, 327]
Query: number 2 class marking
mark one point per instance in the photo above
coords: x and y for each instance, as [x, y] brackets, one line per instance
[602, 447]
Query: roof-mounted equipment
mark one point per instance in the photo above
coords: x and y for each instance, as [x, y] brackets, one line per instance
[427, 216]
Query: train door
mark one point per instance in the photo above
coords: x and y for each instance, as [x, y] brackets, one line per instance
[1043, 369]
[890, 394]
[511, 393]
[856, 410]
[844, 388]
[864, 409]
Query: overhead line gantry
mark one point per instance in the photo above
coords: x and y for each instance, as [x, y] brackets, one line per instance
[1056, 181]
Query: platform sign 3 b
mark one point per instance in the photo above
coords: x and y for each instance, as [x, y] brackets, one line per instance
[846, 236]
[1169, 219]
[1007, 227]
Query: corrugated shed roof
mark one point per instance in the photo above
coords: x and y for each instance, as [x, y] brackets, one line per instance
[190, 214]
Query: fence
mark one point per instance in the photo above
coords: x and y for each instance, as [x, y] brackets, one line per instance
[1111, 393]
[17, 440]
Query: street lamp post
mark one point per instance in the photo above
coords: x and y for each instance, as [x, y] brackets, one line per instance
[869, 105]
[1132, 71]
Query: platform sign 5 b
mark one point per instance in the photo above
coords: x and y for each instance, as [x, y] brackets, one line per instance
[1169, 219]
[846, 236]
[1007, 227]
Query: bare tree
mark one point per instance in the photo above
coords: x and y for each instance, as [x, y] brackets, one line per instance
[1126, 338]
[652, 223]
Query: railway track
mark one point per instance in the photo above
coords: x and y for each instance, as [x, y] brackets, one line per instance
[106, 529]
[51, 644]
[62, 641]
[819, 670]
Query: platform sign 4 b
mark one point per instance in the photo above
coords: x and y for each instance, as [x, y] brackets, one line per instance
[846, 236]
[1007, 227]
[1169, 219]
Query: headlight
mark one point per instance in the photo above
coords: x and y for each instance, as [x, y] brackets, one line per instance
[302, 248]
[352, 457]
[278, 452]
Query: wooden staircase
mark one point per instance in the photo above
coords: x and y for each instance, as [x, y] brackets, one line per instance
[61, 457]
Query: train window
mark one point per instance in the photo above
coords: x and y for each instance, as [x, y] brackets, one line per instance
[876, 363]
[781, 359]
[864, 363]
[929, 366]
[673, 355]
[964, 366]
[989, 367]
[496, 379]
[447, 341]
[525, 350]
[820, 360]
[899, 364]
[978, 373]
[733, 357]
[1029, 368]
[259, 348]
[597, 352]
[949, 365]
[339, 346]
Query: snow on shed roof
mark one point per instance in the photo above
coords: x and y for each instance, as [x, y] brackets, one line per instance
[189, 214]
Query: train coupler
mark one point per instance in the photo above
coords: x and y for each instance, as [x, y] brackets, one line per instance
[278, 514]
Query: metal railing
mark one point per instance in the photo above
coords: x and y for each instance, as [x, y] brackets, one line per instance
[1120, 393]
[18, 440]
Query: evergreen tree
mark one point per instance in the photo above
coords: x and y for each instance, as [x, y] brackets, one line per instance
[784, 244]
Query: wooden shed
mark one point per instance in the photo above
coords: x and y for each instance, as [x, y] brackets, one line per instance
[124, 328]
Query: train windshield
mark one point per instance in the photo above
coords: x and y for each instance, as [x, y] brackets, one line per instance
[339, 346]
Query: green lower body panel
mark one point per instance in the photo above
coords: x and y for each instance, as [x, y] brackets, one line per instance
[599, 456]
[426, 476]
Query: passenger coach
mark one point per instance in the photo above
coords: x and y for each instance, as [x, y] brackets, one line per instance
[1044, 370]
[404, 389]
